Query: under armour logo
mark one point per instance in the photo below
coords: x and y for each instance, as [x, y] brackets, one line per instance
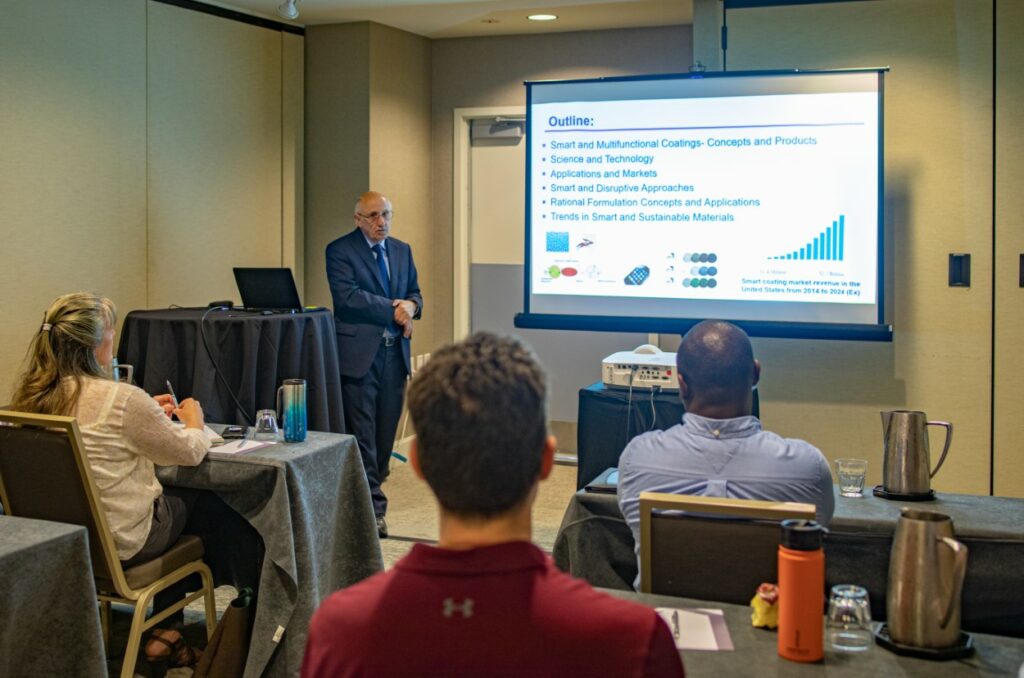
[448, 607]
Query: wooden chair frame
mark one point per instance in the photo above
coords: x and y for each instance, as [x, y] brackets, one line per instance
[651, 502]
[139, 599]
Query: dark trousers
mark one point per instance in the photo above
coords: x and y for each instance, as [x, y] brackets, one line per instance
[170, 513]
[373, 406]
[233, 549]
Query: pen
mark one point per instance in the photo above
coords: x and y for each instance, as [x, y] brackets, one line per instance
[174, 398]
[675, 624]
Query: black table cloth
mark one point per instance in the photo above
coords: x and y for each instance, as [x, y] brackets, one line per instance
[255, 353]
[610, 417]
[595, 544]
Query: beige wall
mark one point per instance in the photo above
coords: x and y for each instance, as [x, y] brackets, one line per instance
[367, 128]
[72, 161]
[1009, 245]
[143, 154]
[337, 141]
[214, 142]
[938, 199]
[293, 166]
[479, 72]
[400, 153]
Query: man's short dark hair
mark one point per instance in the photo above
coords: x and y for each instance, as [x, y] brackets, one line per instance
[478, 407]
[716, 360]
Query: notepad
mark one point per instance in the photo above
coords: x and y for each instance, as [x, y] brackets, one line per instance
[697, 629]
[241, 446]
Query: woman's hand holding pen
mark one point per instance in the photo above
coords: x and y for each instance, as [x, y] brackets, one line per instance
[166, 402]
[190, 413]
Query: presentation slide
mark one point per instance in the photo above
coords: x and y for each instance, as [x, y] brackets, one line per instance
[751, 197]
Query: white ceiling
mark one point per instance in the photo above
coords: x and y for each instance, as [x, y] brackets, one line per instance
[464, 18]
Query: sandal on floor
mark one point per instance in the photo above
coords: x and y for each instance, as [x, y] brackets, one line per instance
[166, 648]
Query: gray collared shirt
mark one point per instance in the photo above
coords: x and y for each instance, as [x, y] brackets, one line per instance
[731, 458]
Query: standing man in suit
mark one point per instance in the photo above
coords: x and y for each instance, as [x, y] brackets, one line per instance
[376, 297]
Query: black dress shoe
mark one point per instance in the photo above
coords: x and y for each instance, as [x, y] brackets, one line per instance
[382, 527]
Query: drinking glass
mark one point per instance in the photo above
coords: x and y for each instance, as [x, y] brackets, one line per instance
[122, 373]
[851, 474]
[266, 425]
[848, 625]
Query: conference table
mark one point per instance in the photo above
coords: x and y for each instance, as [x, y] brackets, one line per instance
[49, 619]
[594, 543]
[254, 352]
[756, 652]
[310, 504]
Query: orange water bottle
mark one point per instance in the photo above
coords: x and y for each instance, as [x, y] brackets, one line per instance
[801, 591]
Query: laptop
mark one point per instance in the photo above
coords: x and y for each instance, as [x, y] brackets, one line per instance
[267, 289]
[606, 483]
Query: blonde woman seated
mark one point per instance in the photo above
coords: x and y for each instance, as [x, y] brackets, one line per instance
[125, 431]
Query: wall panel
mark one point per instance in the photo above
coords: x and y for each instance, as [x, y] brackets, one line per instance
[337, 160]
[400, 152]
[215, 158]
[72, 161]
[1009, 246]
[293, 204]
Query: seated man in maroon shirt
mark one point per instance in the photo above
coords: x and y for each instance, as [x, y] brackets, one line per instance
[485, 601]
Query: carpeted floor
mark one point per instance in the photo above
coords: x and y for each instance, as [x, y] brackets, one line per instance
[412, 517]
[412, 513]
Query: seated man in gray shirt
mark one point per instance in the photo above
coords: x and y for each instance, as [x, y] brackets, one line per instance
[719, 449]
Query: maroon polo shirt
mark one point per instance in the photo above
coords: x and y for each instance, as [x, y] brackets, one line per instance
[502, 610]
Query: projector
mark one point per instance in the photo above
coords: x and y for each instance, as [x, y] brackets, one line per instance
[646, 367]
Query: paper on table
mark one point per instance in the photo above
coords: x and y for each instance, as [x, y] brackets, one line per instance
[215, 438]
[239, 446]
[699, 629]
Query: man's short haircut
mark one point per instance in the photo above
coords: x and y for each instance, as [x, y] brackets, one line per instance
[716, 360]
[478, 407]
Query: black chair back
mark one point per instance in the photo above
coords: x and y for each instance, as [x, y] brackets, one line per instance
[42, 477]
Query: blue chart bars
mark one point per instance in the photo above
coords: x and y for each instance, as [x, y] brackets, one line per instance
[828, 246]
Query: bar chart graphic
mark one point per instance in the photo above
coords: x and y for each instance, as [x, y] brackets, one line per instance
[828, 246]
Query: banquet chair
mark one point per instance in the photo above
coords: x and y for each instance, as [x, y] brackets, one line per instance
[44, 474]
[711, 548]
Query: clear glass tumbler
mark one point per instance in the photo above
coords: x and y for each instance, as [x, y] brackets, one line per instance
[266, 425]
[851, 474]
[122, 373]
[848, 625]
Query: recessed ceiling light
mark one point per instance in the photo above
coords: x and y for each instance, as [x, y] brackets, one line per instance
[542, 17]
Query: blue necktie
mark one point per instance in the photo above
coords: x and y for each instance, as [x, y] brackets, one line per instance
[382, 267]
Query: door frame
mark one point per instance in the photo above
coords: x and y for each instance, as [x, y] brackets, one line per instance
[461, 260]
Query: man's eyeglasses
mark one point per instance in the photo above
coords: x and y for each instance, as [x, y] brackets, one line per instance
[373, 216]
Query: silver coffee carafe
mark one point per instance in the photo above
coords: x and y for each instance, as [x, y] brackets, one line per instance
[926, 578]
[906, 462]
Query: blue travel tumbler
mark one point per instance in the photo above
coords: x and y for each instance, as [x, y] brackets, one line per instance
[291, 403]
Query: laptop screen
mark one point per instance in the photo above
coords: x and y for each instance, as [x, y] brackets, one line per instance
[267, 288]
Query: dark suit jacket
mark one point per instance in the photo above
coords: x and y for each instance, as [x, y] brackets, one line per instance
[362, 307]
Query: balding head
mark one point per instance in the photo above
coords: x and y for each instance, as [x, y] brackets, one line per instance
[373, 216]
[717, 370]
